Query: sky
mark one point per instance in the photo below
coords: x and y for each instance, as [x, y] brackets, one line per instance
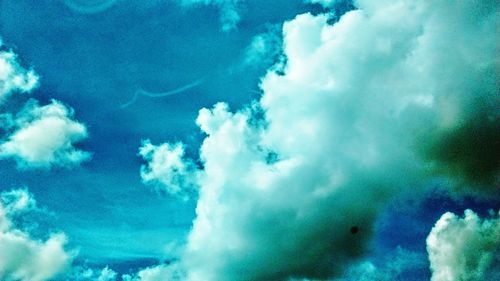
[249, 140]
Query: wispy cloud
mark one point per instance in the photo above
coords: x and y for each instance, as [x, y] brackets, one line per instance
[179, 90]
[13, 77]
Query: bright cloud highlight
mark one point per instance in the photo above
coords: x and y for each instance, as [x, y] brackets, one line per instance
[463, 248]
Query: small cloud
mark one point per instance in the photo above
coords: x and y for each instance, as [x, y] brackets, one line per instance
[229, 15]
[167, 168]
[13, 77]
[83, 273]
[44, 136]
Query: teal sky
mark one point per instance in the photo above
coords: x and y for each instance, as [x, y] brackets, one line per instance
[348, 129]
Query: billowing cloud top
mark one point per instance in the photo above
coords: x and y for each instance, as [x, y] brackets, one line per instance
[23, 258]
[392, 95]
[464, 248]
[43, 136]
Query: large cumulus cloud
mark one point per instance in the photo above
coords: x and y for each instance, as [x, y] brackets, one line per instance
[393, 94]
[464, 248]
[23, 258]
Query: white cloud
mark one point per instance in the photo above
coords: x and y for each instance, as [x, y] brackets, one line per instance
[229, 15]
[23, 258]
[391, 95]
[167, 168]
[44, 136]
[463, 248]
[395, 265]
[169, 272]
[81, 273]
[13, 77]
[265, 48]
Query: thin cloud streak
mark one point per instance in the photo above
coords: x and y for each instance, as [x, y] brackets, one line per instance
[148, 94]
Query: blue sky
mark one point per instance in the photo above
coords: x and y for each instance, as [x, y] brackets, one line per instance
[381, 115]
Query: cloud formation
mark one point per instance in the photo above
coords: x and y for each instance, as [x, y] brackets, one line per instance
[464, 248]
[393, 94]
[23, 258]
[169, 272]
[265, 48]
[13, 77]
[80, 273]
[229, 15]
[167, 168]
[44, 136]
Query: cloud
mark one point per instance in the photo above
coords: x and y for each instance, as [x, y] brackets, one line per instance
[393, 95]
[23, 258]
[81, 273]
[175, 91]
[169, 272]
[167, 168]
[229, 15]
[265, 48]
[44, 136]
[26, 258]
[13, 77]
[463, 248]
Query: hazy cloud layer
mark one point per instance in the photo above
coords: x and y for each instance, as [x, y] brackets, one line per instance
[229, 15]
[44, 136]
[13, 77]
[23, 258]
[463, 248]
[393, 94]
[396, 265]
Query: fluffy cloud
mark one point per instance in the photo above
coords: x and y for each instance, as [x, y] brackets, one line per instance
[23, 258]
[14, 77]
[393, 94]
[169, 272]
[167, 168]
[463, 248]
[80, 273]
[44, 136]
